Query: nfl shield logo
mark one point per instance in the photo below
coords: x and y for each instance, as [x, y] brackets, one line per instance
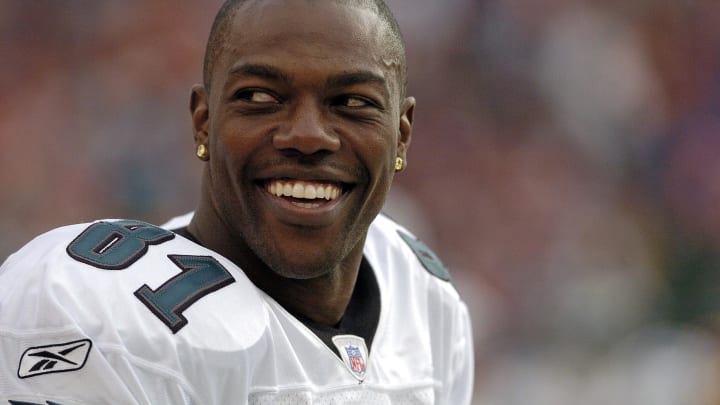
[357, 363]
[354, 354]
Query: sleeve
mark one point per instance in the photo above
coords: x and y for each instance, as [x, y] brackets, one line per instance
[461, 376]
[48, 357]
[63, 367]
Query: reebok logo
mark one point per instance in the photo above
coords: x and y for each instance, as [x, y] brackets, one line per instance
[54, 358]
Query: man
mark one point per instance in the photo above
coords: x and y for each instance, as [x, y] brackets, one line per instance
[285, 285]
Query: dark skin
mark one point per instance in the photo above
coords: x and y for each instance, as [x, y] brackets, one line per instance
[305, 95]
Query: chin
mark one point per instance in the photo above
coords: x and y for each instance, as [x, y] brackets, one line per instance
[302, 269]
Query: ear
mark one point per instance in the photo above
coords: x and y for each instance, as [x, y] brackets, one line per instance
[199, 112]
[407, 115]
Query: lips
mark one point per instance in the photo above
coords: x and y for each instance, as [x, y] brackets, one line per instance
[306, 202]
[308, 195]
[305, 190]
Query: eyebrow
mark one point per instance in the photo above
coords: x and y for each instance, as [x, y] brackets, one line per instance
[260, 70]
[347, 79]
[353, 78]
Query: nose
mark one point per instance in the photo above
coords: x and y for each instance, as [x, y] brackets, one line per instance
[306, 131]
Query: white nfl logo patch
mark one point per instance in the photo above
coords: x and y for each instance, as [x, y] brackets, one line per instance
[354, 354]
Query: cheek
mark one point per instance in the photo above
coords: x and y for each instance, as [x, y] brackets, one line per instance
[380, 160]
[226, 168]
[378, 144]
[234, 147]
[382, 154]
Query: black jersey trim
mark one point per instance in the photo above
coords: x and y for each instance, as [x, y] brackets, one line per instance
[362, 314]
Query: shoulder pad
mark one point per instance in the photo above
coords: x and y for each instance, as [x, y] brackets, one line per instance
[427, 257]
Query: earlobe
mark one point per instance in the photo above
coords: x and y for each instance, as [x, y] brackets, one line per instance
[199, 112]
[407, 115]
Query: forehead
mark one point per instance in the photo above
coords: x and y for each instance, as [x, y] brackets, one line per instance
[302, 33]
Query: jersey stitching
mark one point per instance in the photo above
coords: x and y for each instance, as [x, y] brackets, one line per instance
[152, 367]
[367, 386]
[25, 333]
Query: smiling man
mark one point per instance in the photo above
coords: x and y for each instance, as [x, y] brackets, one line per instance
[286, 285]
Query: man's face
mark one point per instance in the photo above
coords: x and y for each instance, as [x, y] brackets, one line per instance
[305, 122]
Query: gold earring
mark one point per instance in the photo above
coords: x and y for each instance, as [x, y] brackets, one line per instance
[399, 164]
[202, 152]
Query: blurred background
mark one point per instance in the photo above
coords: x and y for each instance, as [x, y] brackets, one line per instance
[565, 165]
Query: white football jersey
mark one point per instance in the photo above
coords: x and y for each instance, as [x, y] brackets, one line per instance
[123, 312]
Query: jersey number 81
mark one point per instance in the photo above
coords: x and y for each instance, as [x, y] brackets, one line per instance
[117, 245]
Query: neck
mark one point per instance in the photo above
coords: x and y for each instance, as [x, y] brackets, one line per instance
[321, 299]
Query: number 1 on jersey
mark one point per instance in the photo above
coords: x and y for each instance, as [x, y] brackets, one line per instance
[200, 276]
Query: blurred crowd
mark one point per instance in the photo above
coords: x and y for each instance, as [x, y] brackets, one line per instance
[565, 165]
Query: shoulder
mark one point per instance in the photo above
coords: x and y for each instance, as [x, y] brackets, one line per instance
[420, 306]
[37, 260]
[142, 281]
[143, 302]
[399, 255]
[47, 243]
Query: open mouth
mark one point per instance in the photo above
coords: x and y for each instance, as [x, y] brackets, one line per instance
[305, 194]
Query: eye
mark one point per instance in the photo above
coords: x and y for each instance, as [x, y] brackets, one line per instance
[256, 96]
[353, 102]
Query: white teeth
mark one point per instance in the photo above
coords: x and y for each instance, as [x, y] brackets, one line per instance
[304, 190]
[298, 191]
[310, 192]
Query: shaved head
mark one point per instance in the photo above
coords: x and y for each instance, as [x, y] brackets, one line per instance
[222, 25]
